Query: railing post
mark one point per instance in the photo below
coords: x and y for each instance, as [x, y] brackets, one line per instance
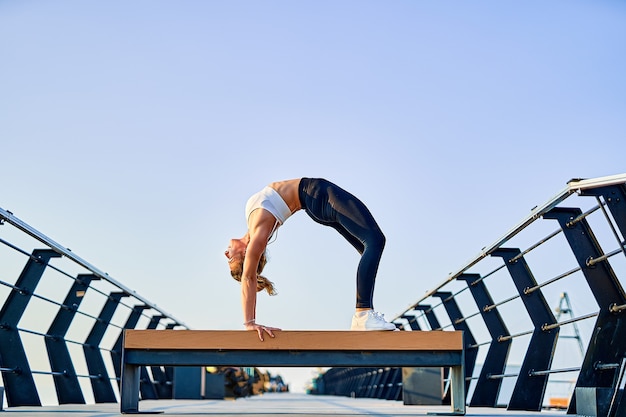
[433, 322]
[487, 389]
[19, 383]
[394, 384]
[375, 383]
[412, 321]
[615, 198]
[608, 344]
[65, 379]
[385, 383]
[529, 390]
[101, 384]
[363, 383]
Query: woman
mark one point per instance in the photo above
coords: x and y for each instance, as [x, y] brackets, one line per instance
[327, 204]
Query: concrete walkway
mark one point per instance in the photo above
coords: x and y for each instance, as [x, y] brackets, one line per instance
[275, 404]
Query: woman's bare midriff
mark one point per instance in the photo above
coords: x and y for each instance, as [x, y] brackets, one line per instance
[288, 190]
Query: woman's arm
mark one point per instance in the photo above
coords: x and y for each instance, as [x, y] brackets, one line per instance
[257, 245]
[248, 280]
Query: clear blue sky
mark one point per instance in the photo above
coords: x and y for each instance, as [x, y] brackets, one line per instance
[134, 131]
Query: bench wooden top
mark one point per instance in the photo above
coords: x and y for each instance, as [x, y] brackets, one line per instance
[293, 340]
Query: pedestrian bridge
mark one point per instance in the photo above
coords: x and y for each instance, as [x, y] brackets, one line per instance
[526, 347]
[272, 404]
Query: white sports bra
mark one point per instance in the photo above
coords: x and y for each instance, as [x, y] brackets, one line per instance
[268, 199]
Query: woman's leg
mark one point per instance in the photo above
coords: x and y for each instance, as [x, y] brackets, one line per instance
[332, 206]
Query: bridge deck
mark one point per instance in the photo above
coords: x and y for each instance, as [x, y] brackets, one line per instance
[282, 404]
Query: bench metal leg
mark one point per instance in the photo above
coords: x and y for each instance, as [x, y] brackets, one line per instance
[457, 392]
[457, 387]
[129, 390]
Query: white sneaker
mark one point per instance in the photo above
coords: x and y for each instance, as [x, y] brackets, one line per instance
[370, 320]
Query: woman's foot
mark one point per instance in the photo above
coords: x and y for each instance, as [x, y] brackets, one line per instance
[370, 320]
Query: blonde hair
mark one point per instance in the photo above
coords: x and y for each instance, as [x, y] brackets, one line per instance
[262, 282]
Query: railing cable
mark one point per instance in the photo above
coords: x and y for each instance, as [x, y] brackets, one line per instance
[530, 290]
[500, 376]
[512, 336]
[582, 216]
[554, 371]
[483, 277]
[494, 305]
[48, 300]
[592, 261]
[547, 327]
[535, 246]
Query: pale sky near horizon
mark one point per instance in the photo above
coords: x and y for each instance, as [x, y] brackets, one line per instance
[133, 132]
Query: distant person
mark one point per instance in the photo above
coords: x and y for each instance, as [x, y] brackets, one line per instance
[327, 204]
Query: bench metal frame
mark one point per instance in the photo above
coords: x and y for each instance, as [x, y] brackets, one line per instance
[290, 349]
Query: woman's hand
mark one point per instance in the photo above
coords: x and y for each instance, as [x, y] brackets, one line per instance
[261, 329]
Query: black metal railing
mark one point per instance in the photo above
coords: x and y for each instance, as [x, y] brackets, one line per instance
[573, 244]
[61, 323]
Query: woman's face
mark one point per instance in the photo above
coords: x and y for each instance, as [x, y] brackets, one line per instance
[235, 252]
[235, 247]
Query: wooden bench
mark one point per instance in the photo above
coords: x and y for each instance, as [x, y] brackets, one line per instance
[291, 349]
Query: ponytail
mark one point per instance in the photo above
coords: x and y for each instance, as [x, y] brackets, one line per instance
[265, 284]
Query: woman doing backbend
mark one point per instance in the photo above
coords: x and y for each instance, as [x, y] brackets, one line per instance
[327, 204]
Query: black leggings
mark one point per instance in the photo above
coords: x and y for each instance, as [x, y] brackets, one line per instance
[333, 206]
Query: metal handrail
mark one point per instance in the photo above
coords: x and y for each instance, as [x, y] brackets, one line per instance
[573, 186]
[24, 227]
